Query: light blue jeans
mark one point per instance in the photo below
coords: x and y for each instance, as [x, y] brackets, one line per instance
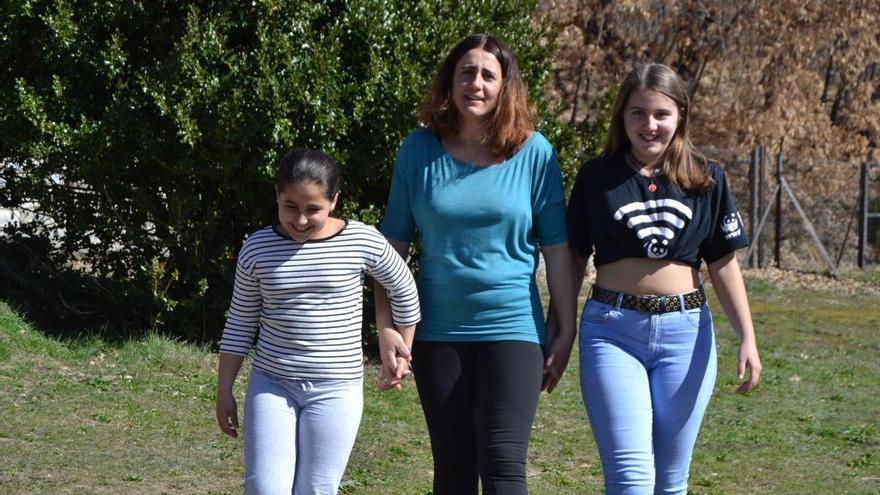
[646, 380]
[298, 434]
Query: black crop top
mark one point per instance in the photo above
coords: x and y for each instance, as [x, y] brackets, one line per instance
[612, 210]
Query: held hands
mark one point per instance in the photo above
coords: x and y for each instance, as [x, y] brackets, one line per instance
[395, 357]
[748, 358]
[227, 413]
[556, 359]
[393, 376]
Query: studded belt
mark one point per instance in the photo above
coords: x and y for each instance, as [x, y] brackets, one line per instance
[650, 304]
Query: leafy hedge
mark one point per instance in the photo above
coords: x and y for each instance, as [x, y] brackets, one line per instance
[142, 136]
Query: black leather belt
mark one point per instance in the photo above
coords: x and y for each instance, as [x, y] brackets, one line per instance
[650, 304]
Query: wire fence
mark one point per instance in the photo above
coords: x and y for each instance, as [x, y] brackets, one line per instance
[828, 193]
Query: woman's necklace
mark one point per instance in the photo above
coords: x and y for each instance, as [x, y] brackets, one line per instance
[473, 151]
[641, 167]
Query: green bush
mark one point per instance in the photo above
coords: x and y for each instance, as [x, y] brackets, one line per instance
[144, 134]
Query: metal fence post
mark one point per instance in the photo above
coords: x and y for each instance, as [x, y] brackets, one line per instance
[762, 201]
[777, 251]
[863, 215]
[754, 211]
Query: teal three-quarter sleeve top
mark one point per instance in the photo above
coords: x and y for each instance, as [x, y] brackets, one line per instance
[480, 229]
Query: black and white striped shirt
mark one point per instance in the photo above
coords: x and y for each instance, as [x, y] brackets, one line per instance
[306, 300]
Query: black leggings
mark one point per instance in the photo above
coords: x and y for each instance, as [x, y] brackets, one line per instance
[479, 400]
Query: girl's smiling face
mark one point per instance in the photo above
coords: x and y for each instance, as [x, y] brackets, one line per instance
[650, 120]
[303, 211]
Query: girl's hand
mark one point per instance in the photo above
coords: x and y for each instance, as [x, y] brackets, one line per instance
[748, 359]
[394, 381]
[227, 413]
[395, 357]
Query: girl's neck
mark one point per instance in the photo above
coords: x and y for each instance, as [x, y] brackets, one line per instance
[648, 169]
[332, 227]
[655, 161]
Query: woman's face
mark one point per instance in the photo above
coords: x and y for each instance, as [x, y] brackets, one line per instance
[476, 84]
[650, 119]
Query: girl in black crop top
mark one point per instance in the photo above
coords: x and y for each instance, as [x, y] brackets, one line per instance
[651, 210]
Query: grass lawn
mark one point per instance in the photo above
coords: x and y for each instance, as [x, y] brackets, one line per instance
[91, 417]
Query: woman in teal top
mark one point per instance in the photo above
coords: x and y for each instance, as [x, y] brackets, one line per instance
[483, 191]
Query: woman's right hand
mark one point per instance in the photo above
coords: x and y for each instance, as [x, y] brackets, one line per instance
[227, 413]
[395, 357]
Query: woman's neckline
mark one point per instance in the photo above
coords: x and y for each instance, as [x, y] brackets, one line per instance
[465, 163]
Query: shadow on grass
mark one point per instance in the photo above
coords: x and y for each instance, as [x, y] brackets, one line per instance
[66, 303]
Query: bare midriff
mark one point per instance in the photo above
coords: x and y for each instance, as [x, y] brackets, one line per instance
[645, 276]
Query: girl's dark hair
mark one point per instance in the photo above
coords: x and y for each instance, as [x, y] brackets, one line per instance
[683, 163]
[513, 119]
[306, 165]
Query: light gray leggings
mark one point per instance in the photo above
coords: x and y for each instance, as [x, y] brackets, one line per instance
[298, 434]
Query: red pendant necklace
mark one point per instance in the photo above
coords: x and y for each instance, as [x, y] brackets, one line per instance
[640, 167]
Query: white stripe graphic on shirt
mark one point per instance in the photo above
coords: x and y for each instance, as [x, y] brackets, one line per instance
[653, 227]
[654, 218]
[654, 205]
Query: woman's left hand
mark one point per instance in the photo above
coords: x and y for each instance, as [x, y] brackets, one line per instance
[748, 359]
[556, 360]
[561, 312]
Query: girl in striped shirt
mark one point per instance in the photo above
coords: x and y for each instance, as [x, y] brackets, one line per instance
[298, 299]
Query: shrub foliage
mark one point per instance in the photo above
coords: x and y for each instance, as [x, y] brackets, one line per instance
[138, 139]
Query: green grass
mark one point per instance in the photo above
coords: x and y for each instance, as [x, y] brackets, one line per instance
[87, 416]
[871, 276]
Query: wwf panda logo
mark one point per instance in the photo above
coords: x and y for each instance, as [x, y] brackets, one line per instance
[657, 248]
[731, 225]
[656, 222]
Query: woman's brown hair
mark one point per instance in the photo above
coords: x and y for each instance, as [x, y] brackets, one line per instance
[683, 163]
[512, 121]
